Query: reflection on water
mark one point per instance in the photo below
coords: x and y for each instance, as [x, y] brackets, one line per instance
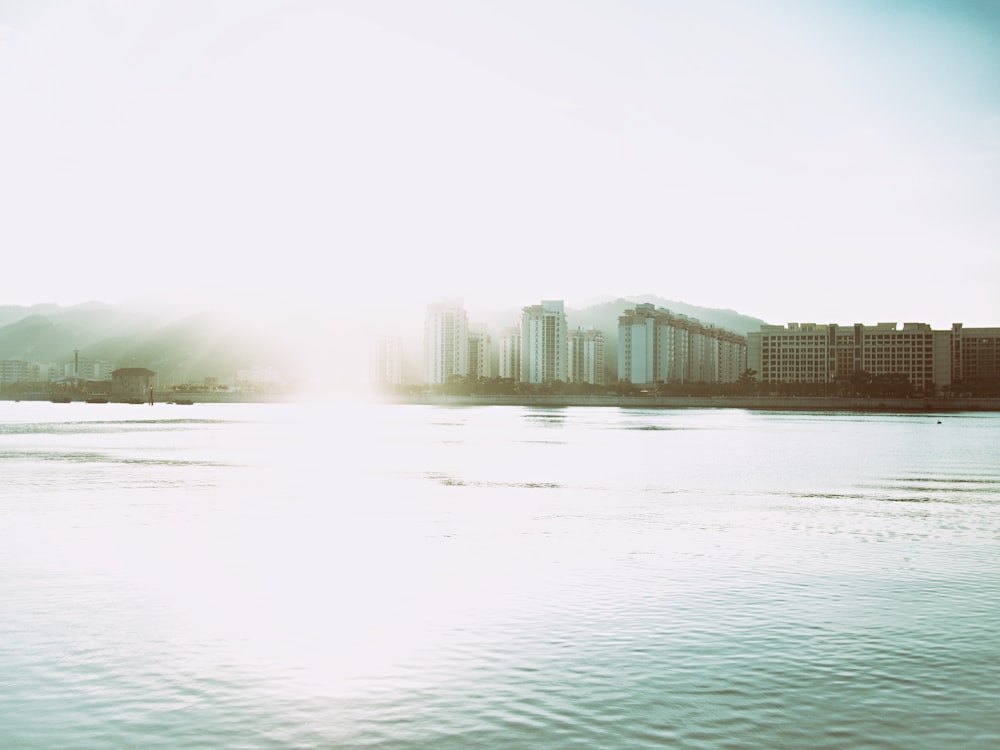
[267, 576]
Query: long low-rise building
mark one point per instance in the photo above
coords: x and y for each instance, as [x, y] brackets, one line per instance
[828, 353]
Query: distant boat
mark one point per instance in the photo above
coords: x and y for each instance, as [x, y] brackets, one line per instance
[60, 399]
[184, 401]
[97, 399]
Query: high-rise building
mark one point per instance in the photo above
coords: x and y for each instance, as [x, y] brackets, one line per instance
[446, 341]
[386, 365]
[658, 346]
[586, 356]
[479, 352]
[543, 343]
[510, 354]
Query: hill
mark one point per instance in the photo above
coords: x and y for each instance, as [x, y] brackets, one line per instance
[179, 347]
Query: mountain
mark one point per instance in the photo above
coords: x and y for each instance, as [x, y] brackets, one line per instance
[179, 347]
[604, 316]
[36, 338]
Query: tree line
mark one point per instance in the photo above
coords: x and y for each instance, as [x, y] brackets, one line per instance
[861, 384]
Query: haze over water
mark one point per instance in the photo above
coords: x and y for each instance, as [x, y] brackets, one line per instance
[277, 576]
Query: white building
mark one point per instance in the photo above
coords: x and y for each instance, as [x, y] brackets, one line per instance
[479, 352]
[14, 371]
[43, 372]
[586, 356]
[386, 361]
[543, 343]
[657, 346]
[88, 369]
[446, 341]
[510, 354]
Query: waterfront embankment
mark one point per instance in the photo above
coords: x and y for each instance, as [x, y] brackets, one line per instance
[165, 397]
[780, 403]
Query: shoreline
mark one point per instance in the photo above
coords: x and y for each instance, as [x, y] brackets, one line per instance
[773, 403]
[758, 403]
[166, 397]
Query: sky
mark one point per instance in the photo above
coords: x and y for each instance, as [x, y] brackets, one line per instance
[812, 162]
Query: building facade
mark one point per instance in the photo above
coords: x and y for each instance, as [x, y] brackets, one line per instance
[386, 363]
[131, 382]
[479, 352]
[657, 346]
[88, 369]
[446, 344]
[974, 354]
[586, 356]
[510, 354]
[543, 343]
[14, 371]
[828, 353]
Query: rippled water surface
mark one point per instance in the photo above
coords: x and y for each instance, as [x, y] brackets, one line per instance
[360, 576]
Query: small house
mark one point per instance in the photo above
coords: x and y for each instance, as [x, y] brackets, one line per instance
[131, 383]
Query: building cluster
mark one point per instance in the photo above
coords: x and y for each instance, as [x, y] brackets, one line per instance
[80, 369]
[541, 349]
[83, 371]
[656, 346]
[822, 354]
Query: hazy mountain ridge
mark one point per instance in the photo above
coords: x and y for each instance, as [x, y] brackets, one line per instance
[177, 346]
[604, 315]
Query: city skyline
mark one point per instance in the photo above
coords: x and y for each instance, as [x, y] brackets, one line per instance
[342, 363]
[784, 161]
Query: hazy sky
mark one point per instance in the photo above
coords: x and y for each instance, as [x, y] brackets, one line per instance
[797, 161]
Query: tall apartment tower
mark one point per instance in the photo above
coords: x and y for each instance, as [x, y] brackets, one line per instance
[479, 352]
[543, 343]
[386, 364]
[586, 356]
[446, 341]
[657, 346]
[510, 354]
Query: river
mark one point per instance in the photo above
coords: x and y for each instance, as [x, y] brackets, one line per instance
[352, 575]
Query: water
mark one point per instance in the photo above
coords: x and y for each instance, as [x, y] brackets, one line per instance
[361, 576]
